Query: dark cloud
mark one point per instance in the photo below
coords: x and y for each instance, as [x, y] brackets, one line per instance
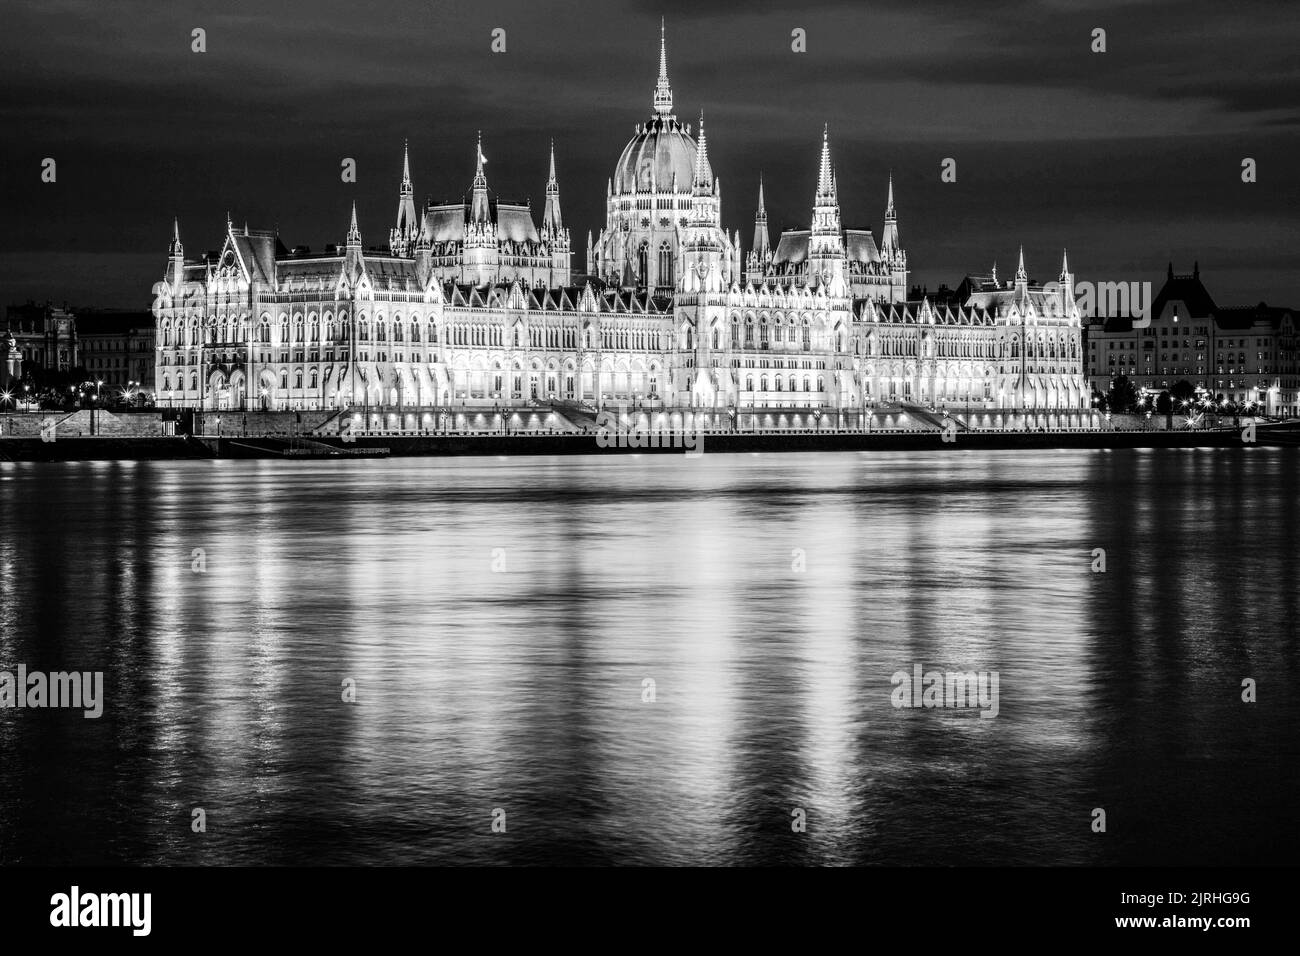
[1131, 157]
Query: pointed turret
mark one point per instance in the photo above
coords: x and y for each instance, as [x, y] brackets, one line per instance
[826, 265]
[825, 176]
[762, 243]
[889, 235]
[352, 255]
[702, 181]
[176, 255]
[552, 222]
[1022, 277]
[479, 206]
[663, 99]
[354, 233]
[402, 236]
[1065, 265]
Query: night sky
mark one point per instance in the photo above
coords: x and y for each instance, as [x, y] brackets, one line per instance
[1130, 158]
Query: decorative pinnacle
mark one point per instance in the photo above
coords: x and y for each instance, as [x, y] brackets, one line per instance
[890, 214]
[354, 234]
[406, 163]
[663, 100]
[762, 209]
[825, 182]
[1021, 275]
[550, 180]
[701, 178]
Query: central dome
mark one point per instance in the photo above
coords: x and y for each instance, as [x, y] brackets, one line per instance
[659, 151]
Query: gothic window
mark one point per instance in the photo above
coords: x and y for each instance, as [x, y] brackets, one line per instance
[821, 384]
[284, 380]
[665, 264]
[762, 383]
[749, 383]
[297, 379]
[313, 378]
[397, 331]
[643, 263]
[807, 336]
[778, 383]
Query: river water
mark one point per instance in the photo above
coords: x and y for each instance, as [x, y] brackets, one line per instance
[498, 621]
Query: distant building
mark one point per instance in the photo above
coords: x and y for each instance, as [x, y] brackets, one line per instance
[117, 350]
[1245, 354]
[45, 335]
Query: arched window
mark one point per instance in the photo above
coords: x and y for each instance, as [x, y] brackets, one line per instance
[643, 263]
[749, 383]
[762, 383]
[297, 379]
[666, 277]
[314, 379]
[778, 383]
[284, 379]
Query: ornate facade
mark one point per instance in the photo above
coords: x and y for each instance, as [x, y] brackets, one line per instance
[472, 304]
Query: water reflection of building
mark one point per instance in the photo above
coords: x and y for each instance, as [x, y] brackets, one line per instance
[473, 302]
[1246, 354]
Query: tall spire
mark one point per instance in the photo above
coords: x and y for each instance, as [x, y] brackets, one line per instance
[176, 248]
[402, 236]
[825, 178]
[702, 182]
[889, 235]
[551, 220]
[1022, 278]
[663, 92]
[762, 244]
[354, 234]
[479, 203]
[1065, 265]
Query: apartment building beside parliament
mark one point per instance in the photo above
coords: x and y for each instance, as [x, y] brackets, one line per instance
[474, 304]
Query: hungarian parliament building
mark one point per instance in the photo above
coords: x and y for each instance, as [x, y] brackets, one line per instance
[475, 305]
